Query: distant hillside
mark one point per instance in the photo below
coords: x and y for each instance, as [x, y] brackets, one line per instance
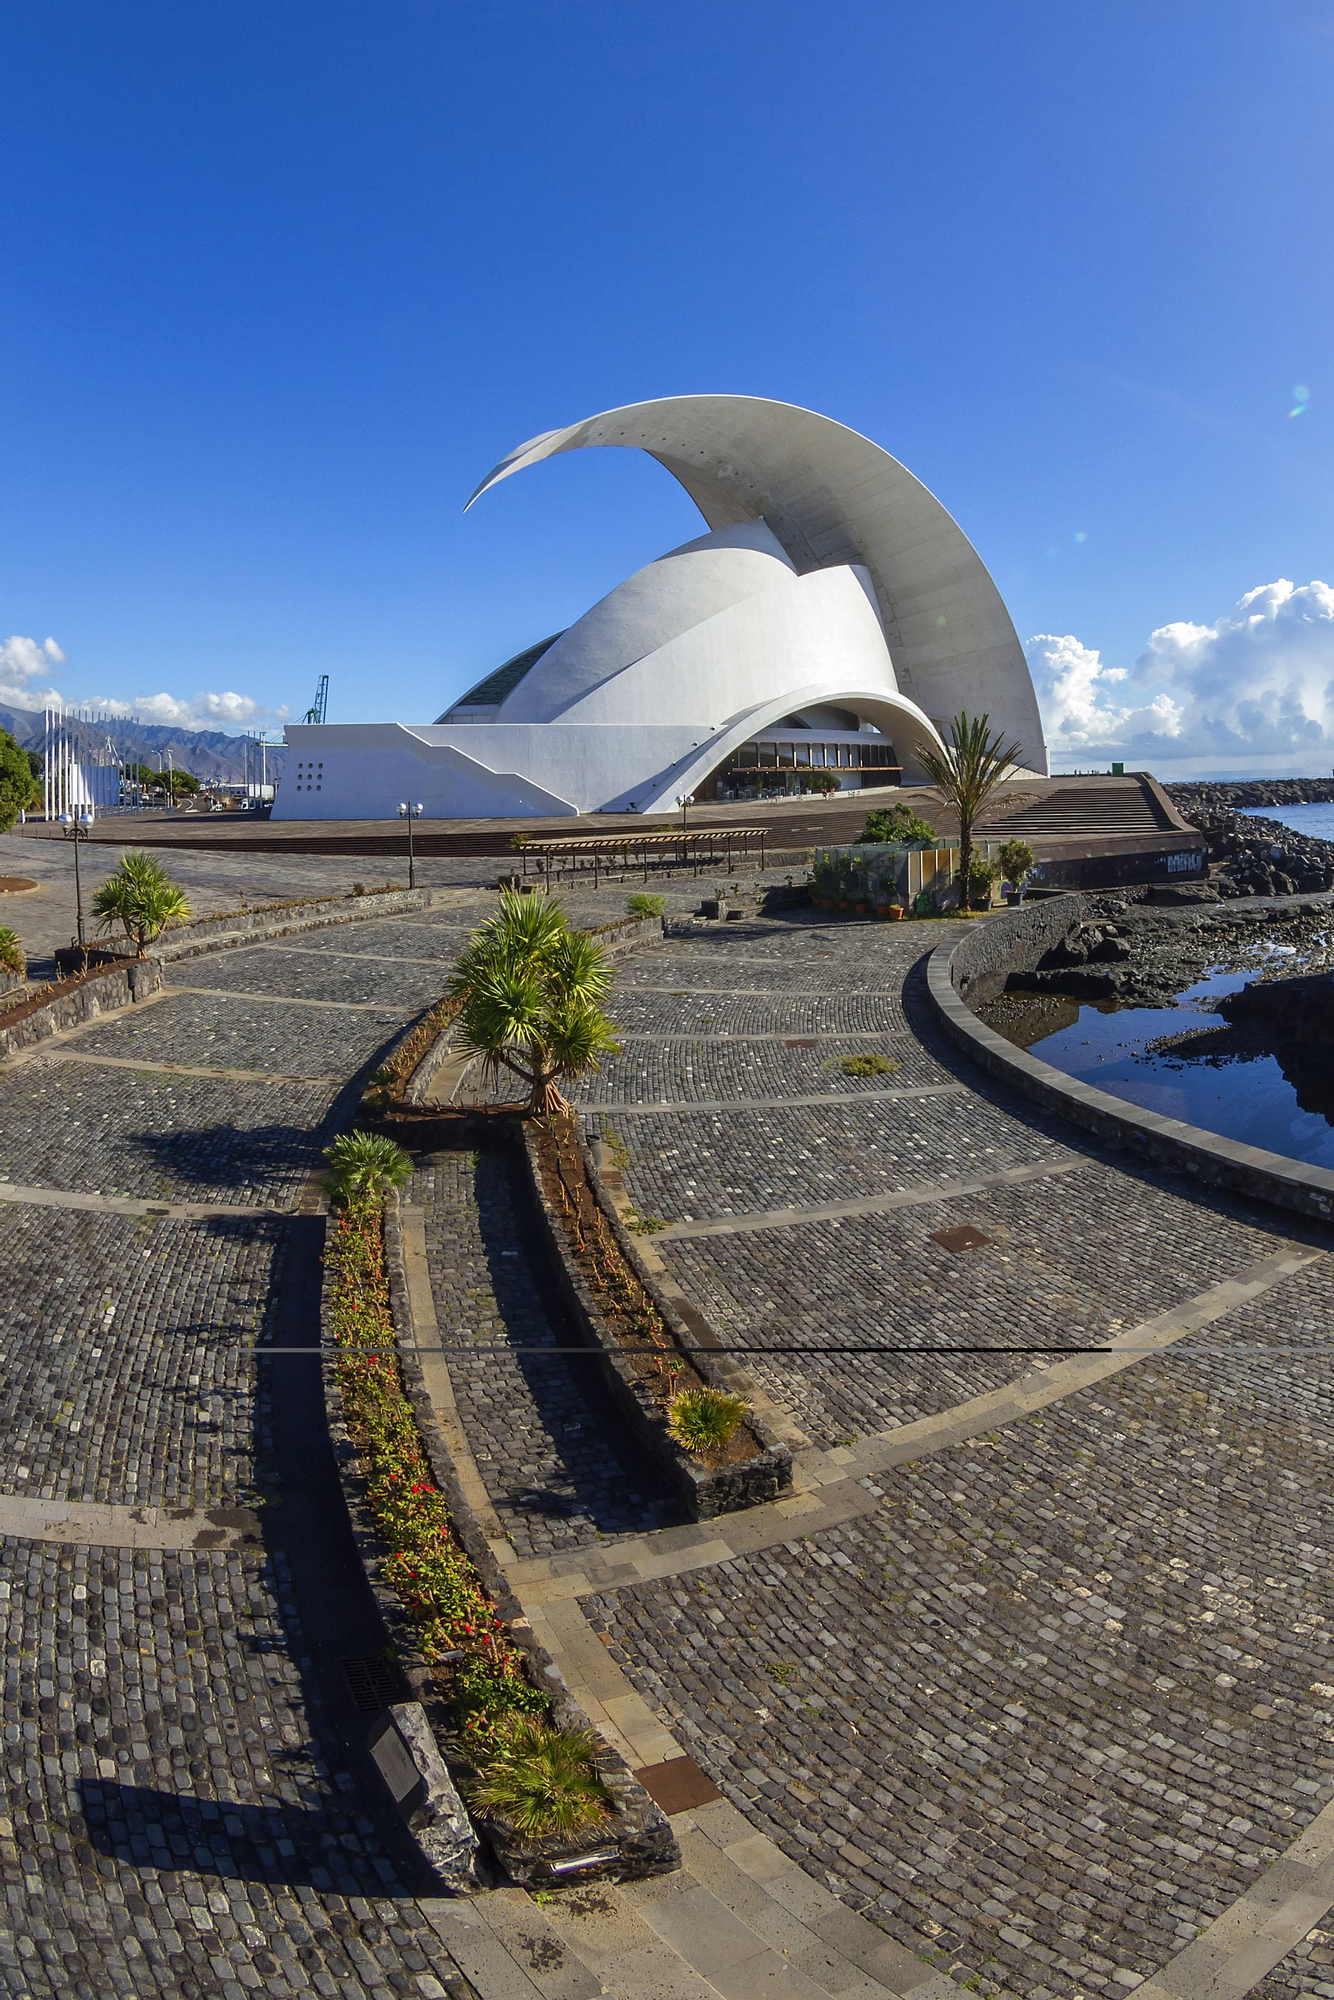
[208, 753]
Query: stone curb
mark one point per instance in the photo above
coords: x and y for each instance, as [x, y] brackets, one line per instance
[640, 1832]
[706, 1491]
[1208, 1157]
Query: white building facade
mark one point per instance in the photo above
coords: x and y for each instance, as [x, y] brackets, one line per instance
[832, 619]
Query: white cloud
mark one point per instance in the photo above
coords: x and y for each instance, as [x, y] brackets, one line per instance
[228, 712]
[1256, 686]
[24, 665]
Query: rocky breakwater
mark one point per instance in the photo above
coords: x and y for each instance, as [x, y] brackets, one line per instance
[1255, 857]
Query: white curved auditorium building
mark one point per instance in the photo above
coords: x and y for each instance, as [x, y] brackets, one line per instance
[831, 619]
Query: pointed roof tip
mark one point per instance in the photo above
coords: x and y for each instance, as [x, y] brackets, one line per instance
[514, 461]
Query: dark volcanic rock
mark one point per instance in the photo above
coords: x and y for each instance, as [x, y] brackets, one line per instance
[1289, 1010]
[1258, 857]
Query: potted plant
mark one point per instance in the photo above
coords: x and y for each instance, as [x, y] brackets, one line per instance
[1017, 861]
[894, 911]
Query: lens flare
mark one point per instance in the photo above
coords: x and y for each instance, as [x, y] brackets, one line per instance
[1301, 400]
[1080, 536]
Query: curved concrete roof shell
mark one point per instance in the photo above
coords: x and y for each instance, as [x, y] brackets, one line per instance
[831, 496]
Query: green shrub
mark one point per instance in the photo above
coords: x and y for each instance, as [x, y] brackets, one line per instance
[823, 782]
[869, 1065]
[12, 957]
[1017, 858]
[704, 1420]
[542, 1780]
[644, 1225]
[362, 1165]
[646, 906]
[981, 876]
[898, 823]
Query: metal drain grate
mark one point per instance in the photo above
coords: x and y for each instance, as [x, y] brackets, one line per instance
[963, 1238]
[374, 1684]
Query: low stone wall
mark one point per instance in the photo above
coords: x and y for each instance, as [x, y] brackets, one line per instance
[102, 992]
[640, 1835]
[252, 926]
[707, 1491]
[1011, 941]
[1208, 1157]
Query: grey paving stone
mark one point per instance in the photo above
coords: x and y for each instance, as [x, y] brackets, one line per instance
[313, 975]
[550, 1451]
[246, 1034]
[174, 1822]
[123, 1371]
[157, 1135]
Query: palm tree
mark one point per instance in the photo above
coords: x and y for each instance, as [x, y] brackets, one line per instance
[363, 1166]
[966, 773]
[142, 898]
[12, 958]
[530, 989]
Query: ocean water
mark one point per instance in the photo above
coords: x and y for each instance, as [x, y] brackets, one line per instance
[1242, 1097]
[1316, 822]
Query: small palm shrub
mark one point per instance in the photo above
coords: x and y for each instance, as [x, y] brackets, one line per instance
[529, 991]
[703, 1420]
[646, 906]
[362, 1165]
[542, 1780]
[12, 957]
[141, 897]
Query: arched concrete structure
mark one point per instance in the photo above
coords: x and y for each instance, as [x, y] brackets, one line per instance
[831, 496]
[832, 594]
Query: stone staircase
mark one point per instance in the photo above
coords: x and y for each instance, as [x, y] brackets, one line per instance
[1075, 812]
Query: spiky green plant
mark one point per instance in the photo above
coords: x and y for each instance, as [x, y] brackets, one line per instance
[542, 1780]
[141, 897]
[12, 957]
[704, 1420]
[362, 1165]
[641, 905]
[966, 774]
[529, 989]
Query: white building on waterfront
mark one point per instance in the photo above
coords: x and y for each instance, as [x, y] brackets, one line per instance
[832, 619]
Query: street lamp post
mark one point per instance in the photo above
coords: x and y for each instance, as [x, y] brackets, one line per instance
[684, 799]
[77, 830]
[411, 812]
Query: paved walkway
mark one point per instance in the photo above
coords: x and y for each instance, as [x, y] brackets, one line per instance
[186, 1806]
[1026, 1689]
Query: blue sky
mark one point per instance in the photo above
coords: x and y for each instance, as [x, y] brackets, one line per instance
[283, 280]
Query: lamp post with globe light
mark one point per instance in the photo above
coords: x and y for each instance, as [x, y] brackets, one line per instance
[78, 828]
[410, 812]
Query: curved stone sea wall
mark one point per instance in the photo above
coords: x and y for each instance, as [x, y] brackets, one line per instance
[1003, 944]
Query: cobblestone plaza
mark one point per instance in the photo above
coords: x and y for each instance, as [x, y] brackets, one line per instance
[1031, 1673]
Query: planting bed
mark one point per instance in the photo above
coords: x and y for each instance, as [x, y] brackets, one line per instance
[648, 1353]
[461, 1640]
